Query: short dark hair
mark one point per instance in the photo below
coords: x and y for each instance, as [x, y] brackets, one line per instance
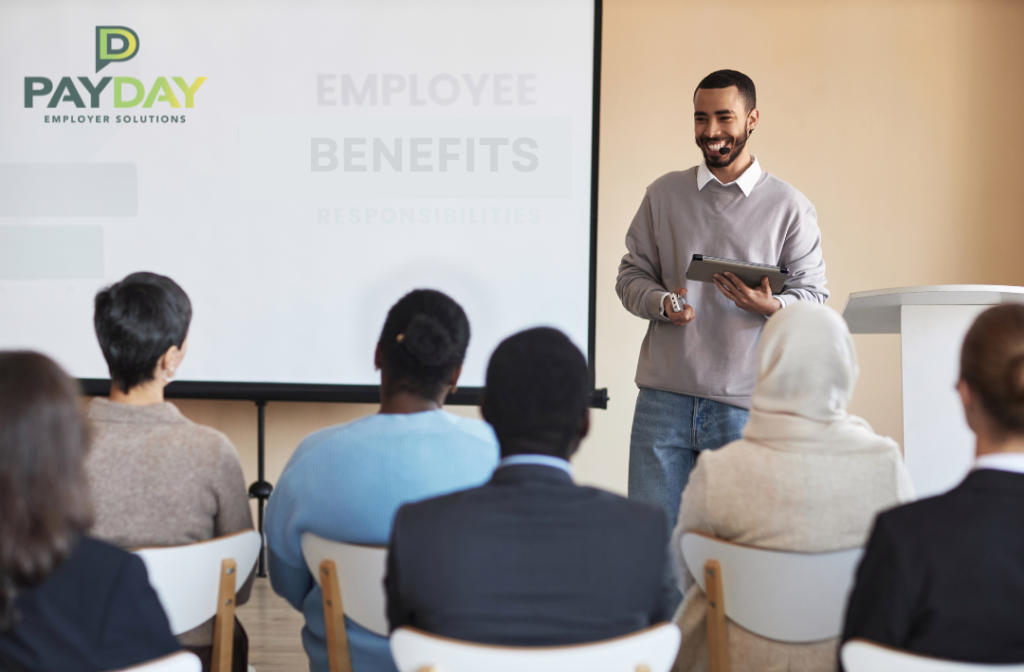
[137, 320]
[992, 364]
[423, 341]
[536, 393]
[44, 494]
[723, 79]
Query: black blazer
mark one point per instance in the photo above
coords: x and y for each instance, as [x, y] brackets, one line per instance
[528, 559]
[95, 612]
[944, 576]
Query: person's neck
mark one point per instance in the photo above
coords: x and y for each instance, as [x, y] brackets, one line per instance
[146, 394]
[988, 444]
[400, 402]
[534, 446]
[732, 172]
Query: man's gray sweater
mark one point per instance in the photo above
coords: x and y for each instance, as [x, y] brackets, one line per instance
[714, 355]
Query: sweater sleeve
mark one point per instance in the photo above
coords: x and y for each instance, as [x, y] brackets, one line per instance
[693, 517]
[233, 513]
[289, 576]
[801, 254]
[639, 284]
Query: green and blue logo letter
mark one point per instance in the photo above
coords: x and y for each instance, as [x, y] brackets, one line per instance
[106, 49]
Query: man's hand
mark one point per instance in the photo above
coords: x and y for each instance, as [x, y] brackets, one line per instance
[758, 300]
[684, 316]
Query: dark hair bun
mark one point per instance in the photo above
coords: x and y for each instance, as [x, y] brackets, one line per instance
[429, 342]
[423, 342]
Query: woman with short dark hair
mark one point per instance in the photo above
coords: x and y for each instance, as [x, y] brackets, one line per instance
[159, 479]
[345, 482]
[944, 576]
[67, 602]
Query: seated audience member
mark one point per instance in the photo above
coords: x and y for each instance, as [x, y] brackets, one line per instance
[159, 479]
[807, 477]
[944, 576]
[67, 602]
[530, 558]
[345, 483]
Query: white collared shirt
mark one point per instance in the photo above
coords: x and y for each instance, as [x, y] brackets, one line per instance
[543, 460]
[1001, 461]
[746, 182]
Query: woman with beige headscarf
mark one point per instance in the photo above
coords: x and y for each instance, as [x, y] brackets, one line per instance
[807, 476]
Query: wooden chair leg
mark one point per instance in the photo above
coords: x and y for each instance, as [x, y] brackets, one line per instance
[224, 623]
[718, 640]
[338, 656]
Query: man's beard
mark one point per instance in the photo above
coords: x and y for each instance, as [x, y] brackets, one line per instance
[719, 161]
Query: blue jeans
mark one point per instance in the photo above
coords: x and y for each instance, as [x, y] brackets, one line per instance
[669, 431]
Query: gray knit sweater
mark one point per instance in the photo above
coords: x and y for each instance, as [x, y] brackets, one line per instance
[713, 356]
[159, 479]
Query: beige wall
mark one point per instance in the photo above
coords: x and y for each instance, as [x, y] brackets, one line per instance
[898, 119]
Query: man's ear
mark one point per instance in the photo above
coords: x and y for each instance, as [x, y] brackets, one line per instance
[969, 401]
[752, 118]
[377, 358]
[483, 407]
[454, 382]
[585, 424]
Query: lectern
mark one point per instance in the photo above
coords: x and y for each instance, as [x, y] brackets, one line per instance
[937, 444]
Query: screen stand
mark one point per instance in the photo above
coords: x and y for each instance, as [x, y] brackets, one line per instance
[260, 489]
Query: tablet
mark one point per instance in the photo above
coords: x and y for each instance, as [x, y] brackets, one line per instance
[702, 267]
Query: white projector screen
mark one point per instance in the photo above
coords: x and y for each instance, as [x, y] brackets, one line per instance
[297, 167]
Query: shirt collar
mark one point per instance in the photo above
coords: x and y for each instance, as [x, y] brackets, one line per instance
[745, 182]
[542, 460]
[1001, 461]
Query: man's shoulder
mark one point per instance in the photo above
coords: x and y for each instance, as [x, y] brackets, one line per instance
[597, 503]
[779, 189]
[672, 183]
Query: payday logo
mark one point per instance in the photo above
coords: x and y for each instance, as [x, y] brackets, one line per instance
[113, 44]
[106, 48]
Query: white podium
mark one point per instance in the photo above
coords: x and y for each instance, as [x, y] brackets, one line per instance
[937, 444]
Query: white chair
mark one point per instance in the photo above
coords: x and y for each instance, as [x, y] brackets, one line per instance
[183, 661]
[357, 573]
[860, 655]
[196, 582]
[651, 650]
[789, 597]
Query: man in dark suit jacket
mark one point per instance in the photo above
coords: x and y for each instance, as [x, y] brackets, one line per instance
[944, 576]
[530, 558]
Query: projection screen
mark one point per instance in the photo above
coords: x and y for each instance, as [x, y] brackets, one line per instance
[297, 167]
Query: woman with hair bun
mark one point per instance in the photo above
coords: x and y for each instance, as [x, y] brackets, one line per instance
[345, 482]
[944, 576]
[67, 601]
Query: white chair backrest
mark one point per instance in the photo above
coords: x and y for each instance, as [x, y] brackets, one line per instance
[862, 656]
[187, 578]
[183, 661]
[789, 597]
[655, 648]
[360, 578]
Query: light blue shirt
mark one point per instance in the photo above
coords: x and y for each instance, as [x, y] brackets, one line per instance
[345, 483]
[543, 460]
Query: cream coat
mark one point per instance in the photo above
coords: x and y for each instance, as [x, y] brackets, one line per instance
[805, 477]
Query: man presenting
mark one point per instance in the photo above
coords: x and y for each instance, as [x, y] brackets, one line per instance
[696, 368]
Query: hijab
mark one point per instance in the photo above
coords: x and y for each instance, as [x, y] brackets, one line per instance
[806, 372]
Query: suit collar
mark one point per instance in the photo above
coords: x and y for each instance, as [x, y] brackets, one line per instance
[529, 473]
[992, 480]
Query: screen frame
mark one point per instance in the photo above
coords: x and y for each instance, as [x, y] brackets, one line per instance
[370, 394]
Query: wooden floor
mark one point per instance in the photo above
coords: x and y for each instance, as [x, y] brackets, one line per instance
[274, 629]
